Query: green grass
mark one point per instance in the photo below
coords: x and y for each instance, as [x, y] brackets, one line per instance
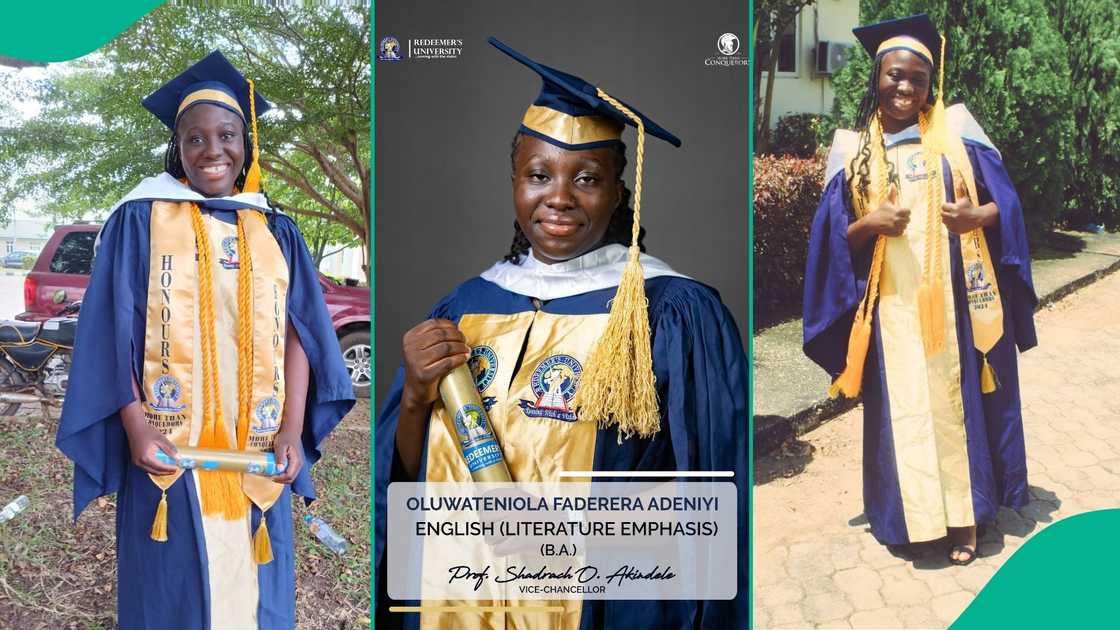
[58, 574]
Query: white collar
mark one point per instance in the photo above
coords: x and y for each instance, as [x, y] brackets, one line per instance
[164, 187]
[595, 270]
[845, 142]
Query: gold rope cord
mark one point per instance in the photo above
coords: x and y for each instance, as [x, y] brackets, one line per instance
[220, 490]
[618, 386]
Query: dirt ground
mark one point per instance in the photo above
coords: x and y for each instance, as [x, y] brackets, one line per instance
[56, 574]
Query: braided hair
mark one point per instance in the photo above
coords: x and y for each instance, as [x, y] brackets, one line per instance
[619, 229]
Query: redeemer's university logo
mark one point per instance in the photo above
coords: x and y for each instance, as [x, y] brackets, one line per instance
[229, 253]
[389, 49]
[484, 365]
[166, 392]
[268, 415]
[554, 383]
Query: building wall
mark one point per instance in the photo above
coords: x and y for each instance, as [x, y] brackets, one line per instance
[806, 91]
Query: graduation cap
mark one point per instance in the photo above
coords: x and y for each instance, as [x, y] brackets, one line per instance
[572, 114]
[212, 80]
[618, 385]
[915, 33]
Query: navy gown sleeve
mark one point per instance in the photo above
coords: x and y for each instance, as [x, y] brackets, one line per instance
[701, 372]
[834, 280]
[108, 350]
[1007, 243]
[330, 394]
[388, 468]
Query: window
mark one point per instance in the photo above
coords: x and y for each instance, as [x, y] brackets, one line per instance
[10, 246]
[787, 49]
[74, 254]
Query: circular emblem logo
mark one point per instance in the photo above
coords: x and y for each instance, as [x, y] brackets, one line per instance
[229, 246]
[555, 381]
[471, 425]
[728, 43]
[484, 365]
[389, 49]
[268, 415]
[166, 392]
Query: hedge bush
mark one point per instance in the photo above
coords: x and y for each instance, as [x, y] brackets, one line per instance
[796, 135]
[787, 191]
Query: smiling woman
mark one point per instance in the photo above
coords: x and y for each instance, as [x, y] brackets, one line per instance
[203, 326]
[532, 326]
[925, 322]
[212, 143]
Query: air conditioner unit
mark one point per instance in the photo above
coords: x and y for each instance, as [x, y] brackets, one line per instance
[831, 56]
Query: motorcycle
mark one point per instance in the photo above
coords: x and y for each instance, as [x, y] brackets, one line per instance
[35, 360]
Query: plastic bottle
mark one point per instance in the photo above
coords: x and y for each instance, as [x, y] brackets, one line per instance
[15, 507]
[324, 533]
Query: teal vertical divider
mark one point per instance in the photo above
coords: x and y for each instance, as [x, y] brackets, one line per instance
[372, 292]
[750, 312]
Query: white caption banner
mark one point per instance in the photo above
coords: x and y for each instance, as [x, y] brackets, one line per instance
[572, 540]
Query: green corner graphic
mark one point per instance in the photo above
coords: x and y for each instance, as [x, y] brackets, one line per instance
[1063, 577]
[34, 32]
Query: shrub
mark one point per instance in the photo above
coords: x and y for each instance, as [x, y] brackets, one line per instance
[796, 135]
[787, 191]
[28, 262]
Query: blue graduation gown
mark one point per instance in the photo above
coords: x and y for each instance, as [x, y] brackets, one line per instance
[702, 386]
[164, 584]
[835, 280]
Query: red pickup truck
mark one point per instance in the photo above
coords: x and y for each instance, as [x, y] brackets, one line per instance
[61, 273]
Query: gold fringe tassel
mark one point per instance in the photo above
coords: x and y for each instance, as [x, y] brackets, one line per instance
[618, 386]
[988, 381]
[159, 523]
[262, 543]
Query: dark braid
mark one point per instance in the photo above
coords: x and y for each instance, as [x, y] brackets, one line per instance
[173, 158]
[619, 230]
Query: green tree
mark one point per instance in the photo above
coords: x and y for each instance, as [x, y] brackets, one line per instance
[771, 19]
[91, 141]
[1090, 29]
[1007, 61]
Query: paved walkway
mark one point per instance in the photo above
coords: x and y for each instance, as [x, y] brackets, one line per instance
[816, 564]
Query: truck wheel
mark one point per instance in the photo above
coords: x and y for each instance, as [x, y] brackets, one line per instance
[356, 353]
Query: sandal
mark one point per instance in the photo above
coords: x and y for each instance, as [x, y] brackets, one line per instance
[962, 549]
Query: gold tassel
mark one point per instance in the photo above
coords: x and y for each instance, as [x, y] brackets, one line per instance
[159, 524]
[262, 543]
[931, 313]
[618, 385]
[988, 381]
[851, 379]
[253, 177]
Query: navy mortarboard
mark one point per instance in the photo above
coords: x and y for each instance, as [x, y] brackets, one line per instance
[618, 384]
[572, 114]
[215, 81]
[915, 33]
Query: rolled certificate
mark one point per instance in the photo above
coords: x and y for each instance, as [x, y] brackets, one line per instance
[466, 420]
[252, 462]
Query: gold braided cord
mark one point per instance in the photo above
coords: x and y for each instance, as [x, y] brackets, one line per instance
[618, 386]
[220, 490]
[850, 380]
[244, 332]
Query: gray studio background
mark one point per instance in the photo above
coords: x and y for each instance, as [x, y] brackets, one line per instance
[443, 207]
